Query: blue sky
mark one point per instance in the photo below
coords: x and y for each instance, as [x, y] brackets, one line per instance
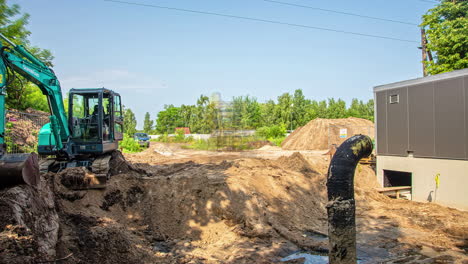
[155, 57]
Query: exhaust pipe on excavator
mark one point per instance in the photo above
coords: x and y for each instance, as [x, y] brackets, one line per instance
[341, 205]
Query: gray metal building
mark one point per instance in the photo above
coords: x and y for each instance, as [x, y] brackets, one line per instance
[422, 137]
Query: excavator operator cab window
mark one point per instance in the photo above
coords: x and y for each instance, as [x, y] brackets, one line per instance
[95, 116]
[106, 113]
[85, 117]
[118, 118]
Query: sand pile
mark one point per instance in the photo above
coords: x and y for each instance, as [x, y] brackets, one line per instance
[229, 212]
[270, 148]
[320, 133]
[244, 210]
[258, 144]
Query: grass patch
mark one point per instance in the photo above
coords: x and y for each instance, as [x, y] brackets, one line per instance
[277, 141]
[179, 137]
[223, 143]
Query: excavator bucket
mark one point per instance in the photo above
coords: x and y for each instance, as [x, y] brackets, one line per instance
[18, 169]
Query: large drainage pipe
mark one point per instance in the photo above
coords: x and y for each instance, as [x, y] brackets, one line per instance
[341, 205]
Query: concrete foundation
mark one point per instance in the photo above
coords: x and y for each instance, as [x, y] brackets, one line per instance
[452, 189]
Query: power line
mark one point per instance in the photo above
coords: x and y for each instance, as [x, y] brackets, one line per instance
[260, 20]
[340, 12]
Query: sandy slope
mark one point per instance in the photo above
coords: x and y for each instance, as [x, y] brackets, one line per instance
[244, 207]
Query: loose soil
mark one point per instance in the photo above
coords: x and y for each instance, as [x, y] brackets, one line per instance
[321, 133]
[219, 207]
[23, 129]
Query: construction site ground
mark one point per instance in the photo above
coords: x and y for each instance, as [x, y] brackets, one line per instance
[168, 204]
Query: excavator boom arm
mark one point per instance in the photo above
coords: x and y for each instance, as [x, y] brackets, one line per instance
[21, 61]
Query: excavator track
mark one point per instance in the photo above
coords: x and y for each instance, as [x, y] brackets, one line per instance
[101, 165]
[45, 164]
[96, 178]
[100, 169]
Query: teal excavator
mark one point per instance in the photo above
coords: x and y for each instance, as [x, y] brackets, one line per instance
[86, 137]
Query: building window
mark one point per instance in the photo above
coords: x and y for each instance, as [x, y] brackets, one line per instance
[394, 98]
[397, 178]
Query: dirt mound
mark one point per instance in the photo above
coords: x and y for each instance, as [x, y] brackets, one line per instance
[29, 224]
[258, 144]
[270, 148]
[118, 164]
[22, 129]
[246, 210]
[320, 133]
[197, 212]
[297, 162]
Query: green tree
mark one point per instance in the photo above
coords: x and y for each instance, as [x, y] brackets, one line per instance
[267, 113]
[446, 28]
[368, 112]
[336, 108]
[187, 114]
[32, 97]
[316, 109]
[147, 124]
[205, 116]
[130, 122]
[245, 112]
[299, 109]
[168, 120]
[284, 110]
[21, 95]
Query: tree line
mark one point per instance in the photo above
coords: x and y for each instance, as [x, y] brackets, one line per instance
[21, 94]
[446, 30]
[245, 112]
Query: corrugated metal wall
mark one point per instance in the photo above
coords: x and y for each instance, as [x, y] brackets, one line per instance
[465, 83]
[429, 119]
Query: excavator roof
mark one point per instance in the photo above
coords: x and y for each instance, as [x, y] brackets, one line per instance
[91, 90]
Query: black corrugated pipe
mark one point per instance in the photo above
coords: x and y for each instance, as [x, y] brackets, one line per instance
[341, 205]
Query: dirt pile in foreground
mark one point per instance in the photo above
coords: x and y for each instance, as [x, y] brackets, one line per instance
[229, 212]
[319, 133]
[243, 210]
[29, 224]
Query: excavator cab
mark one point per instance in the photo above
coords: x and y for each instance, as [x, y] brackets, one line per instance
[95, 120]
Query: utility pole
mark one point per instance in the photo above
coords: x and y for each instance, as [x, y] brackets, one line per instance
[423, 50]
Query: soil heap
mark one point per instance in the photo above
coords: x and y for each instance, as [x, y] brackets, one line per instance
[320, 133]
[240, 210]
[23, 129]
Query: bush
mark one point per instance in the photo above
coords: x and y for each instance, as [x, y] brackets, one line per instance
[164, 138]
[179, 136]
[202, 144]
[275, 131]
[277, 141]
[129, 144]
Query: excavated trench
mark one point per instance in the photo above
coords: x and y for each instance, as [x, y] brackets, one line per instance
[240, 211]
[196, 213]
